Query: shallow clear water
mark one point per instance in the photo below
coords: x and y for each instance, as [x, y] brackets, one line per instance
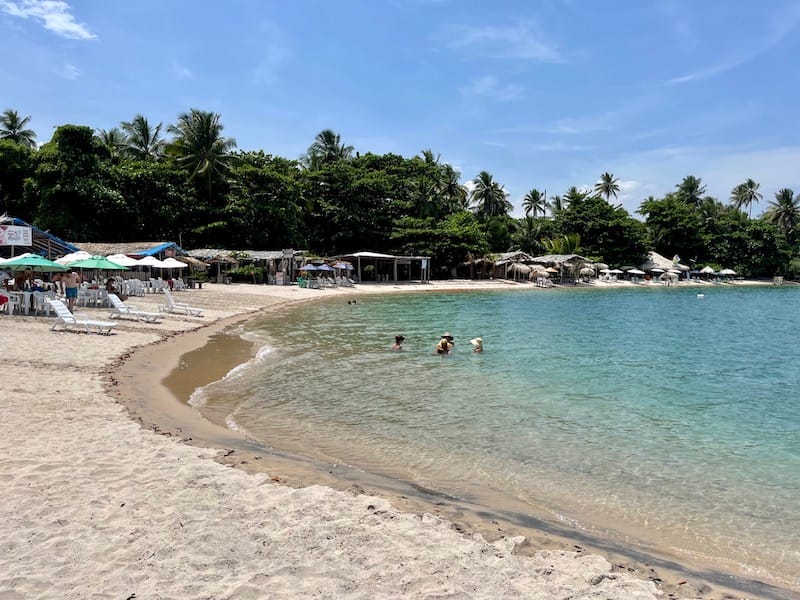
[648, 414]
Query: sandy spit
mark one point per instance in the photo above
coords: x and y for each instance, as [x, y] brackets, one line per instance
[95, 506]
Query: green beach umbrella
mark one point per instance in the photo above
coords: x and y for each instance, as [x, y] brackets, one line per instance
[34, 262]
[100, 263]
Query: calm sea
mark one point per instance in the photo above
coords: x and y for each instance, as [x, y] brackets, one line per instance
[647, 414]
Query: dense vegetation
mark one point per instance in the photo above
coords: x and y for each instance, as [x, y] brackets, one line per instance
[134, 183]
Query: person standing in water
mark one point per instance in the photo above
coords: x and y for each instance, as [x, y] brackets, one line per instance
[445, 345]
[477, 344]
[398, 343]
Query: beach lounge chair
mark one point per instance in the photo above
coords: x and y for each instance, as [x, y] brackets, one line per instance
[120, 309]
[68, 320]
[178, 307]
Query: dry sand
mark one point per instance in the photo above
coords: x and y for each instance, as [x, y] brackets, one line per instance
[94, 505]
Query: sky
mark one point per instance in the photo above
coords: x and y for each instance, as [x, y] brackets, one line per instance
[541, 94]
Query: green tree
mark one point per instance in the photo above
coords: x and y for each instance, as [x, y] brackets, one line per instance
[201, 149]
[488, 197]
[326, 149]
[674, 226]
[784, 213]
[114, 141]
[16, 165]
[529, 234]
[745, 194]
[13, 128]
[690, 190]
[144, 141]
[534, 204]
[607, 186]
[72, 188]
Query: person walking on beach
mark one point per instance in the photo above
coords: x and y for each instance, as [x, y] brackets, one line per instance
[398, 343]
[445, 345]
[70, 281]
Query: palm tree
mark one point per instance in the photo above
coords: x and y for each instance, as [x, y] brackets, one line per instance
[607, 186]
[200, 146]
[745, 194]
[534, 203]
[450, 189]
[557, 204]
[12, 127]
[144, 142]
[711, 209]
[691, 190]
[528, 234]
[488, 197]
[327, 148]
[784, 212]
[113, 140]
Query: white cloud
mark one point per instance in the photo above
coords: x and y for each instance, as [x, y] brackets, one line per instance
[274, 54]
[780, 25]
[70, 71]
[54, 14]
[522, 41]
[488, 87]
[181, 71]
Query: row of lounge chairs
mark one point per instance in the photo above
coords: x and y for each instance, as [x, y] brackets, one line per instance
[67, 320]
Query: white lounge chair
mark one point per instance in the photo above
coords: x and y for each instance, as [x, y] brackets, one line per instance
[178, 307]
[120, 309]
[68, 320]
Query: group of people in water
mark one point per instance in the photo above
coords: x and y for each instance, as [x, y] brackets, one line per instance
[443, 346]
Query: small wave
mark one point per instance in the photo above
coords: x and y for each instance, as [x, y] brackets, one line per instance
[231, 424]
[198, 398]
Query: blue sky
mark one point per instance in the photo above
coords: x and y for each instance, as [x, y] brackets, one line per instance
[544, 94]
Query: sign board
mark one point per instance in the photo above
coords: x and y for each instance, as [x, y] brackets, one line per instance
[13, 235]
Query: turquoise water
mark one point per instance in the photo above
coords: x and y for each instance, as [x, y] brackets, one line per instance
[648, 415]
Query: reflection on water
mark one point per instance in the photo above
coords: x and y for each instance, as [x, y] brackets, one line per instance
[651, 413]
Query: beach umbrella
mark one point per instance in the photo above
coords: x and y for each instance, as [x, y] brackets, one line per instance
[722, 272]
[98, 263]
[615, 271]
[600, 266]
[587, 271]
[657, 270]
[34, 262]
[123, 259]
[635, 272]
[707, 270]
[309, 267]
[72, 257]
[343, 265]
[324, 268]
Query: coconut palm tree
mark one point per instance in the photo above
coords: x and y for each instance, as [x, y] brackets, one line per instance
[200, 147]
[450, 189]
[745, 194]
[12, 127]
[113, 140]
[144, 141]
[488, 197]
[784, 212]
[607, 186]
[691, 190]
[327, 148]
[557, 204]
[534, 203]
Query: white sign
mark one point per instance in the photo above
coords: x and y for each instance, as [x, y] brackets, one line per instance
[13, 235]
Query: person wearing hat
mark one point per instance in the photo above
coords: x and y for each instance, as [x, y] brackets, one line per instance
[477, 344]
[398, 343]
[445, 345]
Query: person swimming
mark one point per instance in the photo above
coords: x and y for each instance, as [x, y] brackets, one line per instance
[445, 345]
[398, 343]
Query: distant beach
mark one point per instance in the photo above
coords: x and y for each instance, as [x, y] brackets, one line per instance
[97, 502]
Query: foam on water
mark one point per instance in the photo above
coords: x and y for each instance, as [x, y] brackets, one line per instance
[643, 414]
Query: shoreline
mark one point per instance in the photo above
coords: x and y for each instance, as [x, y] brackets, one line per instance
[294, 470]
[100, 498]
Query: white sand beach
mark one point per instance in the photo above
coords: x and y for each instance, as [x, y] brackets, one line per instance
[95, 505]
